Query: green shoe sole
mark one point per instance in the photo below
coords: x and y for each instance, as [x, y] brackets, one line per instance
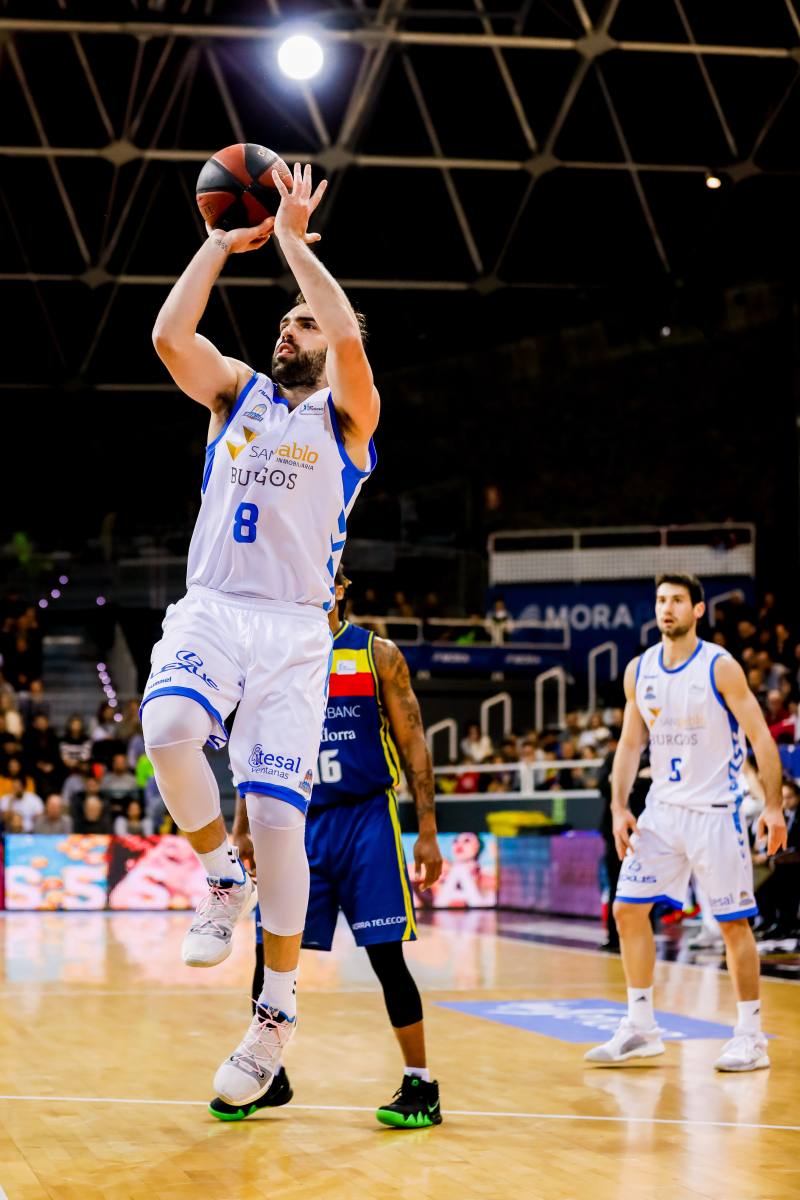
[419, 1120]
[237, 1114]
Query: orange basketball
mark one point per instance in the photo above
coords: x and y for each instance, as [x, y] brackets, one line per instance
[235, 188]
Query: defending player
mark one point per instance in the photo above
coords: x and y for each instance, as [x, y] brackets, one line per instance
[285, 459]
[692, 698]
[355, 853]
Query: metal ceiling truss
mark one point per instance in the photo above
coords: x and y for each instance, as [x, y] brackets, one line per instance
[382, 37]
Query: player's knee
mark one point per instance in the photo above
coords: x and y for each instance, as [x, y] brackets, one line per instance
[737, 929]
[631, 916]
[172, 721]
[273, 813]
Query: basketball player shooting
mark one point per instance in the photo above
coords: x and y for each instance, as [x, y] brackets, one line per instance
[285, 460]
[691, 698]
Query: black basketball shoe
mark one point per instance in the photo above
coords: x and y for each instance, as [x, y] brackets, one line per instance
[414, 1105]
[279, 1092]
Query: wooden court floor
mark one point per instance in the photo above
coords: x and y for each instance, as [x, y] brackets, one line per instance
[109, 1046]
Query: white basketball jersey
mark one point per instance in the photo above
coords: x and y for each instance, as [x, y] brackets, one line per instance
[696, 747]
[278, 487]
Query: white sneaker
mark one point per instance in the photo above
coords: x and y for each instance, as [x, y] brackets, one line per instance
[744, 1052]
[248, 1072]
[628, 1042]
[208, 939]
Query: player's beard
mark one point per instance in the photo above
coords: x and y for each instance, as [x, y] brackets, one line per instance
[676, 631]
[304, 369]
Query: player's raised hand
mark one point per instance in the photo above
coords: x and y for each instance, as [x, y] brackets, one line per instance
[427, 860]
[624, 827]
[239, 241]
[297, 205]
[772, 826]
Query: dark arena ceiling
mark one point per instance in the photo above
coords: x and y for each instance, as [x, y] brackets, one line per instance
[496, 167]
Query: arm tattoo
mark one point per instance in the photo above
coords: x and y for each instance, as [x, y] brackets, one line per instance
[402, 708]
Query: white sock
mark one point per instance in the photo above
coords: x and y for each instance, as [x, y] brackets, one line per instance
[640, 1007]
[749, 1016]
[280, 991]
[222, 863]
[422, 1072]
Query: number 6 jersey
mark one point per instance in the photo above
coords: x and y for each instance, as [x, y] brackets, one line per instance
[696, 746]
[278, 487]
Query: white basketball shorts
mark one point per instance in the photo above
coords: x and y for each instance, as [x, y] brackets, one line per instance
[674, 843]
[270, 658]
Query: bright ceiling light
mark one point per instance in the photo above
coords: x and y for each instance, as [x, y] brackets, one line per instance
[300, 57]
[713, 181]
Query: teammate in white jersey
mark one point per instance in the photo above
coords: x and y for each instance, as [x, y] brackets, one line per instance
[692, 700]
[285, 459]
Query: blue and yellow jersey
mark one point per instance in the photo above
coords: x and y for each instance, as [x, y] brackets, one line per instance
[357, 756]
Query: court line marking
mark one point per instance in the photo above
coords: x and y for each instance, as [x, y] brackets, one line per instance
[451, 1112]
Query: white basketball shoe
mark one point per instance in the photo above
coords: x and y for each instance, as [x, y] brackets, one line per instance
[247, 1074]
[208, 939]
[744, 1052]
[628, 1042]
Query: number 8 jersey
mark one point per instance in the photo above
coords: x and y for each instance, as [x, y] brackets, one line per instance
[696, 746]
[278, 487]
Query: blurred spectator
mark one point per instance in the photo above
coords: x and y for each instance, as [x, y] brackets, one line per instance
[26, 803]
[93, 817]
[431, 607]
[33, 702]
[500, 620]
[782, 649]
[468, 781]
[119, 785]
[13, 772]
[130, 725]
[501, 781]
[527, 778]
[41, 756]
[133, 824]
[772, 672]
[755, 681]
[594, 736]
[13, 822]
[53, 819]
[10, 745]
[75, 792]
[400, 606]
[8, 708]
[106, 741]
[103, 724]
[768, 614]
[509, 747]
[476, 746]
[780, 721]
[746, 636]
[75, 747]
[570, 777]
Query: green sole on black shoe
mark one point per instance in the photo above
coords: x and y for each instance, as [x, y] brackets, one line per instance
[279, 1092]
[418, 1120]
[226, 1112]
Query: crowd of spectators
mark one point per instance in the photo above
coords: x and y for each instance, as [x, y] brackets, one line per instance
[92, 777]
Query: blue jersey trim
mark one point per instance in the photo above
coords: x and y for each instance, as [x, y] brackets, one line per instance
[212, 446]
[734, 724]
[675, 670]
[351, 474]
[215, 743]
[274, 789]
[648, 900]
[639, 667]
[734, 916]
